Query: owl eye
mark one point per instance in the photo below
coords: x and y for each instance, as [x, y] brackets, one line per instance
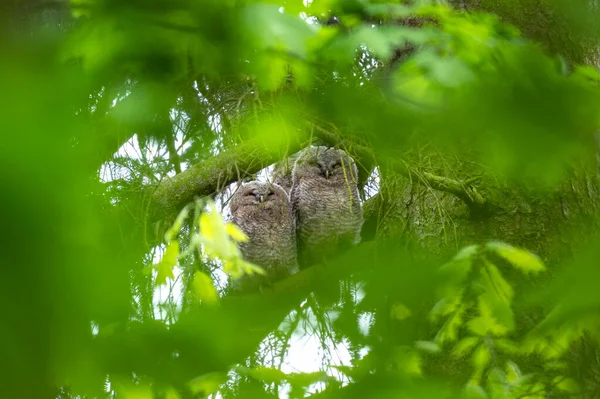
[337, 164]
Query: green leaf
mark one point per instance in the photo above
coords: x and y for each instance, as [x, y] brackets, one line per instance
[270, 71]
[238, 267]
[464, 346]
[513, 372]
[216, 236]
[448, 71]
[407, 360]
[307, 379]
[474, 391]
[481, 356]
[174, 230]
[235, 233]
[566, 384]
[167, 263]
[478, 326]
[81, 8]
[171, 393]
[428, 346]
[495, 302]
[494, 283]
[399, 311]
[507, 346]
[268, 375]
[208, 383]
[268, 28]
[467, 252]
[519, 258]
[495, 315]
[361, 367]
[204, 288]
[347, 370]
[445, 306]
[449, 331]
[496, 382]
[383, 40]
[128, 390]
[278, 40]
[460, 266]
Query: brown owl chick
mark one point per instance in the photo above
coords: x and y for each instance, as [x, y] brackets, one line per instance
[325, 202]
[263, 212]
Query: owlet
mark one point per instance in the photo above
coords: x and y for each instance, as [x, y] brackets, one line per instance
[325, 202]
[263, 212]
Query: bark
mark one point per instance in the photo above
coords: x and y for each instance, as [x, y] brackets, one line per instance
[549, 222]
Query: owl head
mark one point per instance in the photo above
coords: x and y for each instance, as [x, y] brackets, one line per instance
[326, 163]
[259, 195]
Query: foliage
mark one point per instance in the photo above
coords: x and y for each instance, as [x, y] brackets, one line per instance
[475, 144]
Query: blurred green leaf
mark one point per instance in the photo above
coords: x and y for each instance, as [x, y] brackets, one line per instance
[268, 375]
[407, 361]
[481, 356]
[167, 263]
[520, 259]
[427, 346]
[208, 383]
[399, 311]
[465, 345]
[204, 288]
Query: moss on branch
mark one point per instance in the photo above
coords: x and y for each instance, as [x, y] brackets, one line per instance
[211, 175]
[463, 190]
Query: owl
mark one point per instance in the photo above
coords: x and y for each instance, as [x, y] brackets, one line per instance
[263, 212]
[325, 202]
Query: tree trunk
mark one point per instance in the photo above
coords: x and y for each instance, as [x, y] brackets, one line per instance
[543, 221]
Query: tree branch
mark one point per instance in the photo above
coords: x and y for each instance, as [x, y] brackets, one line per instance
[247, 158]
[366, 159]
[206, 178]
[463, 190]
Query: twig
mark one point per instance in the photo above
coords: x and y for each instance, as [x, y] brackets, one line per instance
[462, 190]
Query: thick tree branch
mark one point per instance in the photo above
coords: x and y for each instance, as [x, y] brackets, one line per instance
[209, 176]
[366, 159]
[249, 157]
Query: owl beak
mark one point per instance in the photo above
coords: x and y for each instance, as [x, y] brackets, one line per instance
[262, 198]
[327, 173]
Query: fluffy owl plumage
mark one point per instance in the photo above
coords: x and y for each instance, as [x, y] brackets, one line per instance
[282, 172]
[326, 203]
[263, 212]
